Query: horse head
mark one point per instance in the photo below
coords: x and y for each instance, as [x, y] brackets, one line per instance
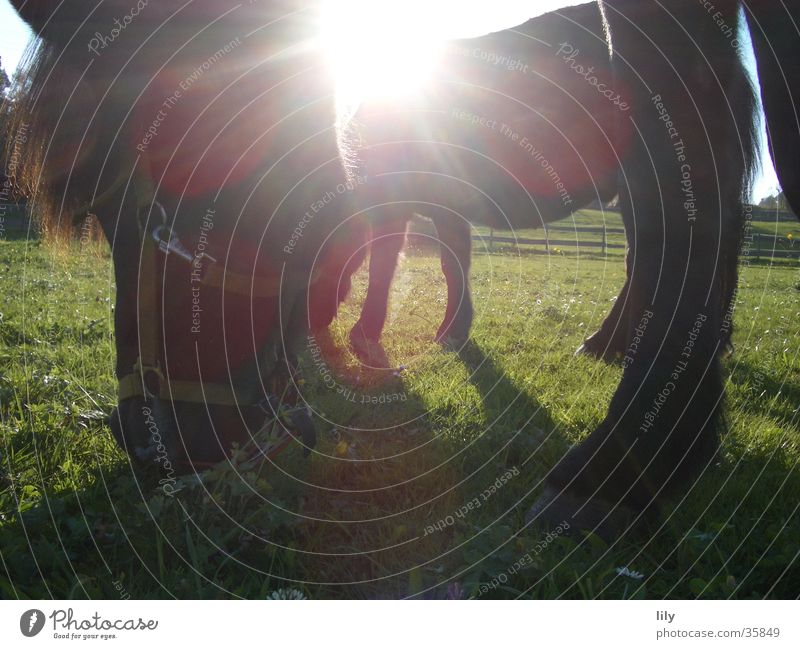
[204, 138]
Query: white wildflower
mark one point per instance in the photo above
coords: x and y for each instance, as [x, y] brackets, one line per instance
[286, 593]
[626, 572]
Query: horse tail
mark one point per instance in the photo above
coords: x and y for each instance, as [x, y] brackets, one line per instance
[775, 43]
[746, 113]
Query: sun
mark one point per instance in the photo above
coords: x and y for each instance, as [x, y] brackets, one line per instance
[379, 48]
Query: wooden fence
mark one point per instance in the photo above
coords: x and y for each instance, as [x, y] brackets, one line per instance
[757, 246]
[769, 246]
[601, 241]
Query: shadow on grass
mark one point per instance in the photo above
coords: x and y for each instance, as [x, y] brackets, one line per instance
[509, 409]
[222, 534]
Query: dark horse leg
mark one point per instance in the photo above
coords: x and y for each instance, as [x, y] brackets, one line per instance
[609, 342]
[455, 240]
[682, 190]
[388, 238]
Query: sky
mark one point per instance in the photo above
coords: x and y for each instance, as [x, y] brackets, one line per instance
[14, 36]
[465, 18]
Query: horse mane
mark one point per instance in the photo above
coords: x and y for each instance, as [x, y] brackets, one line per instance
[48, 118]
[24, 125]
[64, 103]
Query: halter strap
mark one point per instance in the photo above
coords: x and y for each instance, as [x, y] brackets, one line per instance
[147, 378]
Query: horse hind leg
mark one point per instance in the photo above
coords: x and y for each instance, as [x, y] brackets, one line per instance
[455, 240]
[388, 237]
[609, 342]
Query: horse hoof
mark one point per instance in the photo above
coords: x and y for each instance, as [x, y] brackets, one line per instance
[727, 350]
[576, 514]
[370, 353]
[583, 350]
[600, 352]
[452, 342]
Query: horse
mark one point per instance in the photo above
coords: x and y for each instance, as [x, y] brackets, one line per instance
[529, 83]
[205, 140]
[683, 189]
[563, 109]
[680, 118]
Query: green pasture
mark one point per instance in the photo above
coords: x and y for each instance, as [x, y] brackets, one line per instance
[382, 508]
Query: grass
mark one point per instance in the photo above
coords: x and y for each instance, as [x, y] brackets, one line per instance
[421, 496]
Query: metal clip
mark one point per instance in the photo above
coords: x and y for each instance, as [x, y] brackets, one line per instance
[167, 243]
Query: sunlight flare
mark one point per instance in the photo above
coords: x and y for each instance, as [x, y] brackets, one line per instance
[379, 48]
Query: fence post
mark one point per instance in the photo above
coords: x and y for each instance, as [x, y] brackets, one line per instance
[604, 238]
[491, 239]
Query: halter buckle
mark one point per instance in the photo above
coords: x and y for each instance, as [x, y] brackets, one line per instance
[152, 379]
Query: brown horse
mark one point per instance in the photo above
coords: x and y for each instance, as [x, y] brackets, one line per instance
[204, 137]
[683, 184]
[517, 128]
[551, 79]
[674, 112]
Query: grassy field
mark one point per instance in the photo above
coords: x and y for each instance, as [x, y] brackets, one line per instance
[423, 495]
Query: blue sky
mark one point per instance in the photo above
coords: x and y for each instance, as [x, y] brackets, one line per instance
[466, 17]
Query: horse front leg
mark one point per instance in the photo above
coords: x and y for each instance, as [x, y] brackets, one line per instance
[388, 238]
[680, 182]
[455, 240]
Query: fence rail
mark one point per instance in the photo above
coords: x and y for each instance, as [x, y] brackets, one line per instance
[758, 246]
[548, 241]
[771, 215]
[766, 246]
[758, 214]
